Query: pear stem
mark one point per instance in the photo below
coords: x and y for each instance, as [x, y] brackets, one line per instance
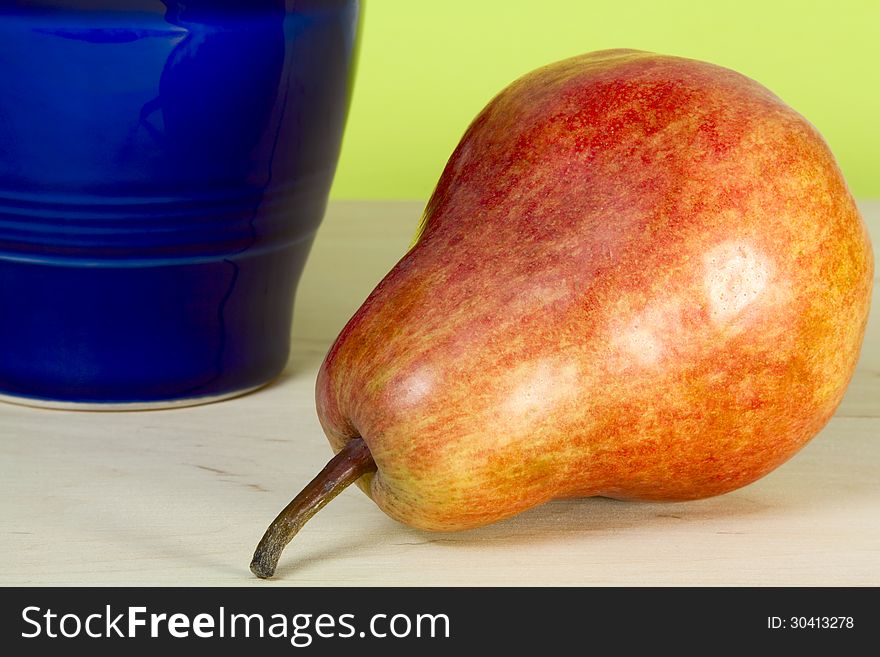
[353, 461]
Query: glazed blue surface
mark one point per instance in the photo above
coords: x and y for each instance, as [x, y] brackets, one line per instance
[163, 169]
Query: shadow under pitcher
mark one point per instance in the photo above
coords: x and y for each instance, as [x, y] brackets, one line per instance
[163, 169]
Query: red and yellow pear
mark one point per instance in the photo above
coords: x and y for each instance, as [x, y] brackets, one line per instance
[639, 276]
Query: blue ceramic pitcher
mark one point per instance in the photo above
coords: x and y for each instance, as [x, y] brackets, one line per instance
[163, 169]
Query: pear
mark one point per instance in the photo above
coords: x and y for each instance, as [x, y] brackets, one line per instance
[639, 276]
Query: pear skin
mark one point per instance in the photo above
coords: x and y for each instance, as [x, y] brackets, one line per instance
[639, 276]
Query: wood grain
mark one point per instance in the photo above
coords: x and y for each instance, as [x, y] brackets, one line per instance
[180, 497]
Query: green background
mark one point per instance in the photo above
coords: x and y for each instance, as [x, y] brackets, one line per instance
[427, 68]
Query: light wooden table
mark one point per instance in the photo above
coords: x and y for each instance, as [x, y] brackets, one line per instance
[180, 497]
